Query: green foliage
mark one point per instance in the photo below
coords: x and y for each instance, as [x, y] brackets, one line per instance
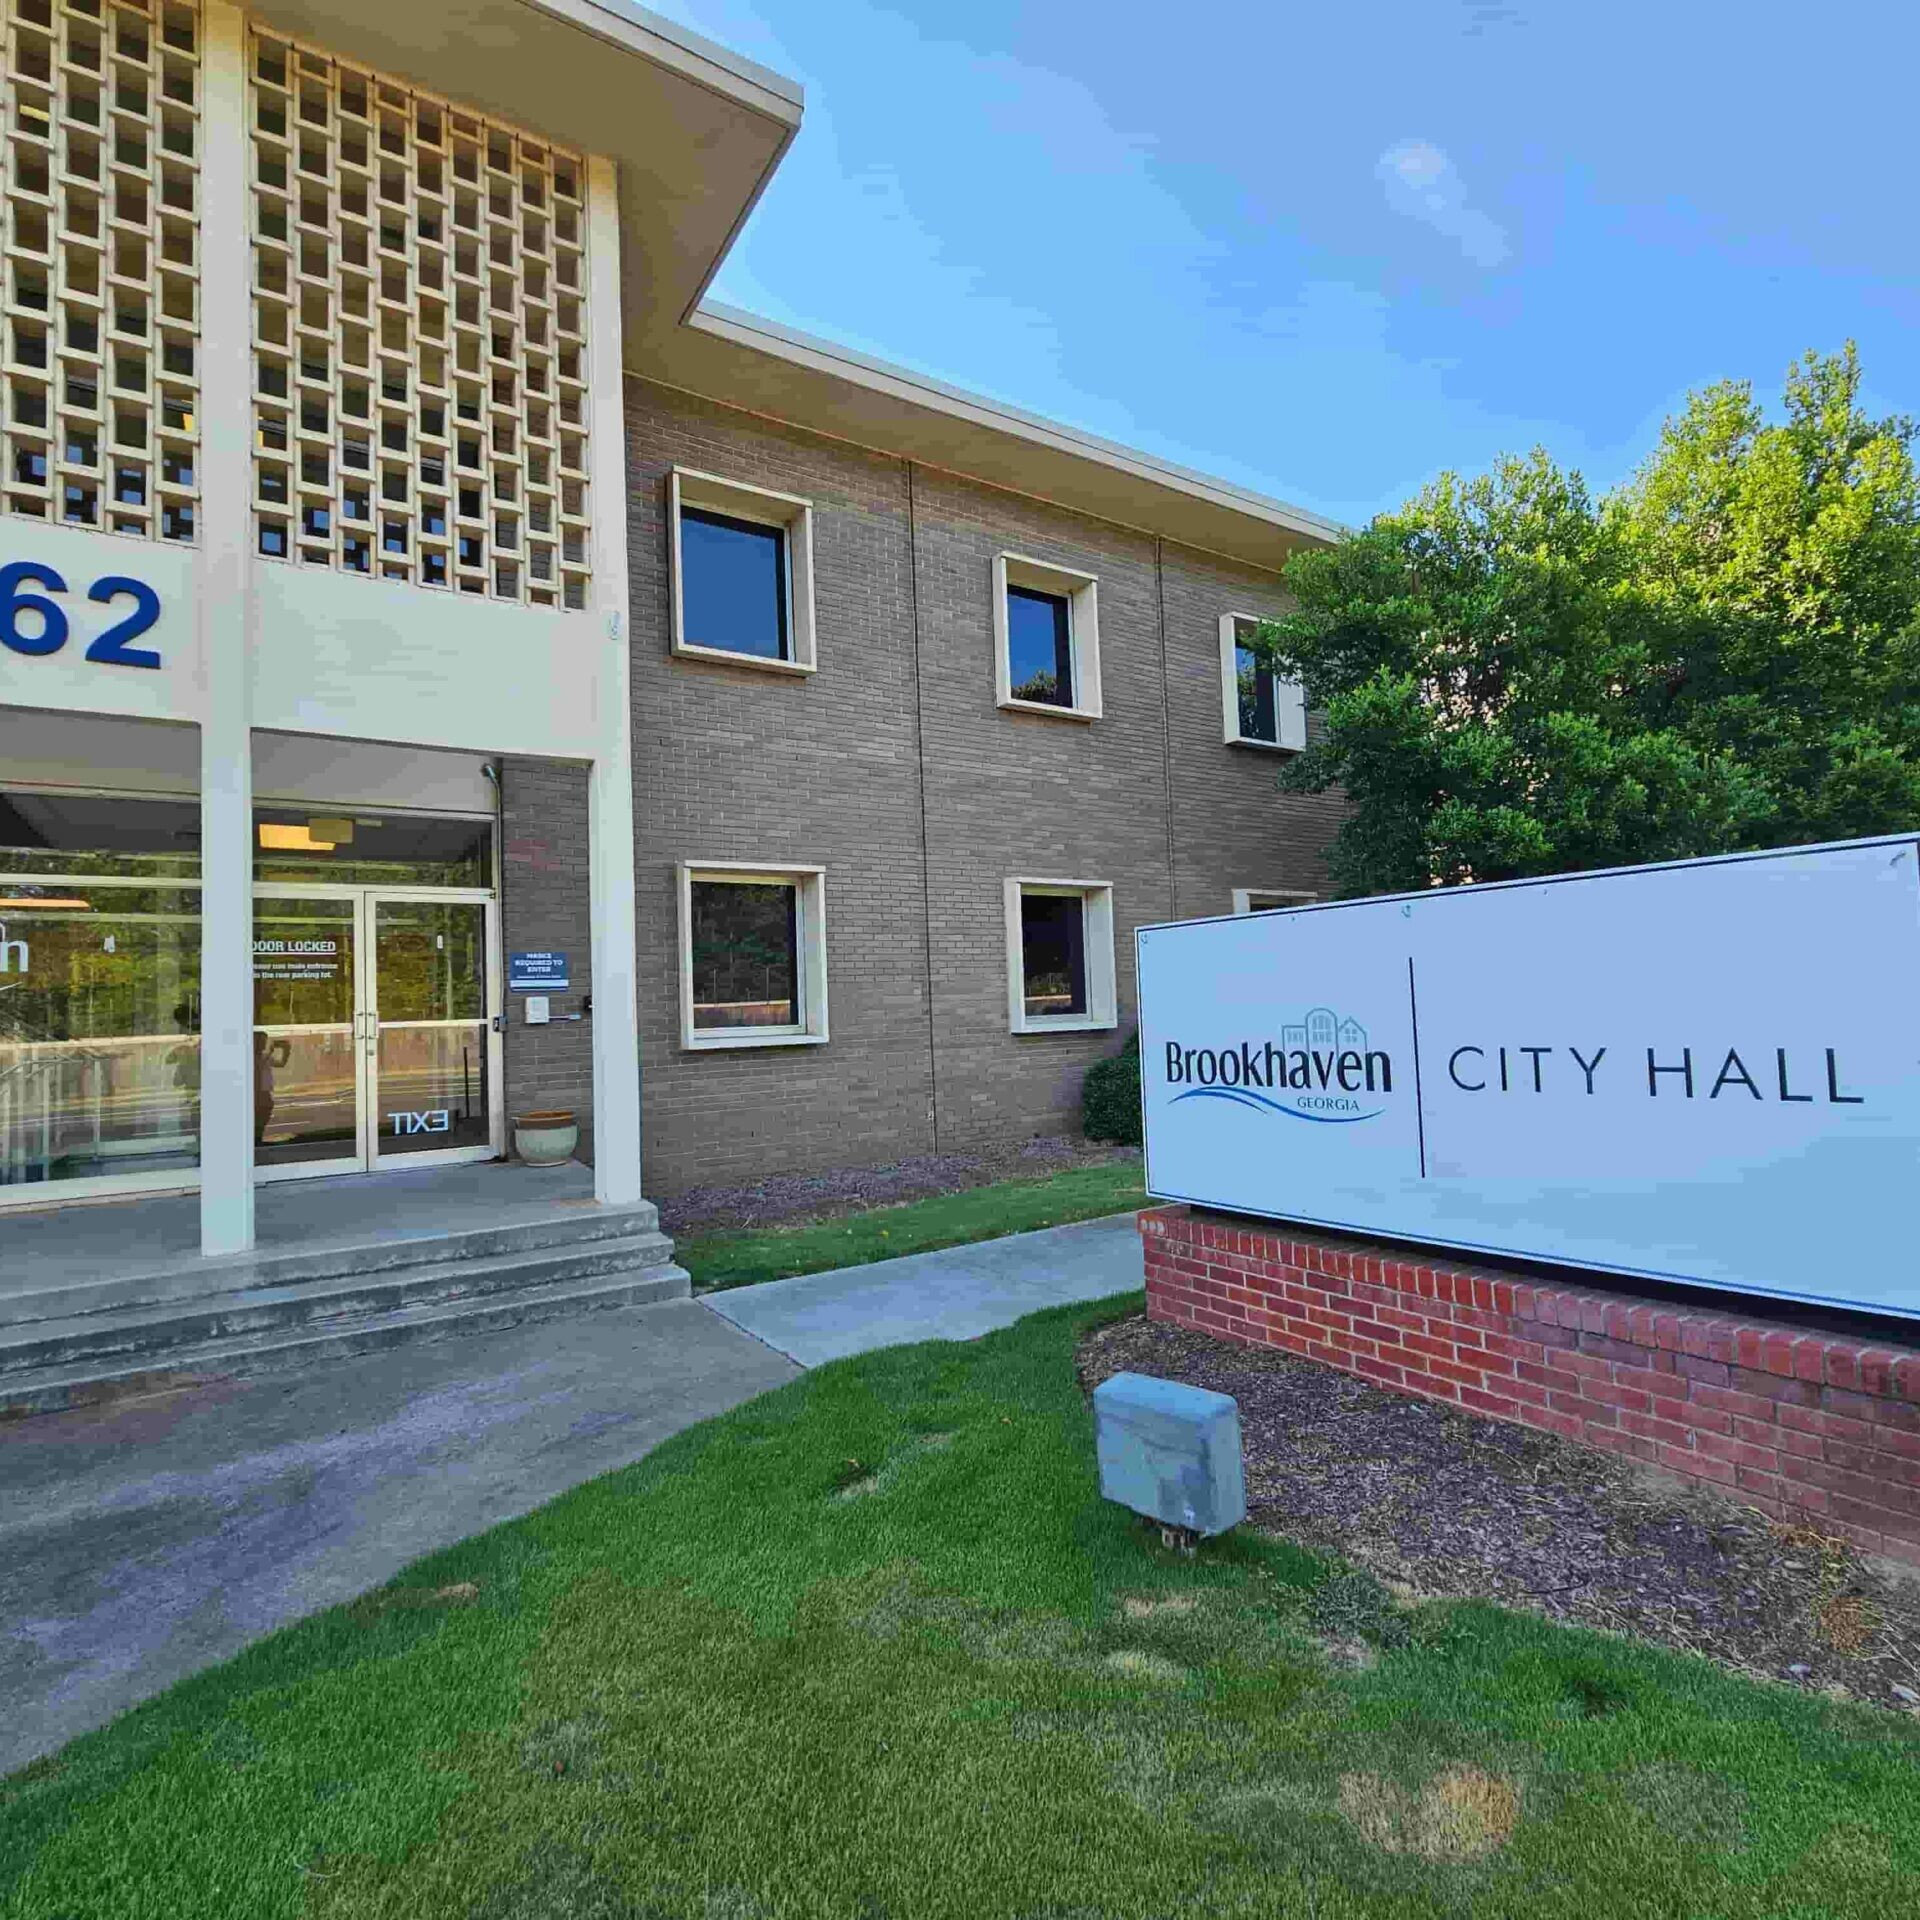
[739, 1258]
[1520, 679]
[1110, 1096]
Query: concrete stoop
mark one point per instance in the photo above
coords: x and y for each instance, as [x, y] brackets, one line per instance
[73, 1344]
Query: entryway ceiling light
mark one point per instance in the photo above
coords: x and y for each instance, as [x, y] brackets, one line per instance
[278, 838]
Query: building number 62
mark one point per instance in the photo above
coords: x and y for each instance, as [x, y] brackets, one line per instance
[112, 648]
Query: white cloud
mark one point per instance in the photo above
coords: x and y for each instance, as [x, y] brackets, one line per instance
[1422, 183]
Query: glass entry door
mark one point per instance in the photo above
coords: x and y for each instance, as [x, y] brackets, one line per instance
[429, 1027]
[306, 1055]
[373, 1030]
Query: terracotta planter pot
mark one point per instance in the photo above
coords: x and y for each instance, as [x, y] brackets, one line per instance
[546, 1139]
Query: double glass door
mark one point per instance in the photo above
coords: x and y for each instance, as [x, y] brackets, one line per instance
[373, 1033]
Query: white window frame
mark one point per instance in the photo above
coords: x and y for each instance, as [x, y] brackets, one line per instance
[687, 487]
[1103, 1011]
[1243, 898]
[812, 885]
[1289, 696]
[1082, 594]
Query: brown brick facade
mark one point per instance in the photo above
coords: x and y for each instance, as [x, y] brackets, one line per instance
[544, 906]
[893, 768]
[1814, 1425]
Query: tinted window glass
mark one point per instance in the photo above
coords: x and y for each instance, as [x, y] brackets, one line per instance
[1039, 647]
[1257, 719]
[733, 585]
[83, 833]
[371, 849]
[99, 1030]
[746, 954]
[1053, 953]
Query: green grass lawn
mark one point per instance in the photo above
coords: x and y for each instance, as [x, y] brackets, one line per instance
[737, 1259]
[872, 1646]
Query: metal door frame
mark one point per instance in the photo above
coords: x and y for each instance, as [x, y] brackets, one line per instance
[365, 1027]
[372, 900]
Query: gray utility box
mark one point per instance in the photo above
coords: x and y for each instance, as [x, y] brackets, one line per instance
[1171, 1452]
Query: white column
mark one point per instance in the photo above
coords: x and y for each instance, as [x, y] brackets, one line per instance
[225, 540]
[616, 1023]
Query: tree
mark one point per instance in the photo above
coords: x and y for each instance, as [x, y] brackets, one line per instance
[1518, 679]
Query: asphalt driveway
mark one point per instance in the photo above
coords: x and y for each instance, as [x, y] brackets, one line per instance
[145, 1539]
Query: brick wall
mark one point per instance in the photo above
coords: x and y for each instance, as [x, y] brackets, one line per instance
[1017, 794]
[734, 764]
[893, 768]
[1818, 1426]
[545, 906]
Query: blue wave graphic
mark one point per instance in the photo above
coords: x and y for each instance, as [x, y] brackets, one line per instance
[1246, 1097]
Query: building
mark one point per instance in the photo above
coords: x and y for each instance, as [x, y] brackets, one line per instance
[403, 568]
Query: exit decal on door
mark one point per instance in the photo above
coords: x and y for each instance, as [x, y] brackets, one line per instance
[440, 1120]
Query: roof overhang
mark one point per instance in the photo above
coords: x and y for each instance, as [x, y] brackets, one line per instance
[749, 362]
[694, 131]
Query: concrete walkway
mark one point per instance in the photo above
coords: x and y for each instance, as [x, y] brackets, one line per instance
[957, 1294]
[145, 1539]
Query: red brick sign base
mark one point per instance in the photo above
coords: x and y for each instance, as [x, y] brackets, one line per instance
[1804, 1426]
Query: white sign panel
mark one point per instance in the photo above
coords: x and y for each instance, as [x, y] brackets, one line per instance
[1705, 1072]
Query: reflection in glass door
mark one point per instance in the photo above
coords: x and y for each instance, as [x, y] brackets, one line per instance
[306, 1067]
[432, 1088]
[372, 1029]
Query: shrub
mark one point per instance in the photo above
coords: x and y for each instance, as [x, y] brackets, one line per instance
[1110, 1096]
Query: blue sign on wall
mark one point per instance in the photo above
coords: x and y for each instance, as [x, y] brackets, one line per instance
[537, 973]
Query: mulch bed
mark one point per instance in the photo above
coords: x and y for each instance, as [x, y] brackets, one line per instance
[1448, 1505]
[791, 1200]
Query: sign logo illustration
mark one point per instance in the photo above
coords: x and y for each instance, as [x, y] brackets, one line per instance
[15, 955]
[1321, 1069]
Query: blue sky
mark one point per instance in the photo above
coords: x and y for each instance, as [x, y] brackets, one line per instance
[1330, 251]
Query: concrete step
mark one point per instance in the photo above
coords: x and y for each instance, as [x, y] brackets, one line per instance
[53, 1388]
[151, 1332]
[197, 1279]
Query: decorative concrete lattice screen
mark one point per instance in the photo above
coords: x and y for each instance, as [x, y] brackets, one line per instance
[420, 344]
[100, 118]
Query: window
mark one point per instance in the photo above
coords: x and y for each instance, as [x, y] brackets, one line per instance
[734, 578]
[1270, 899]
[1040, 646]
[753, 955]
[742, 566]
[1046, 638]
[1260, 709]
[99, 990]
[1060, 974]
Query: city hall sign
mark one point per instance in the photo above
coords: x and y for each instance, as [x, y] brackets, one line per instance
[1706, 1072]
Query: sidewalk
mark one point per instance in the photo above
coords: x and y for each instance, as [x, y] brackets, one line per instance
[958, 1293]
